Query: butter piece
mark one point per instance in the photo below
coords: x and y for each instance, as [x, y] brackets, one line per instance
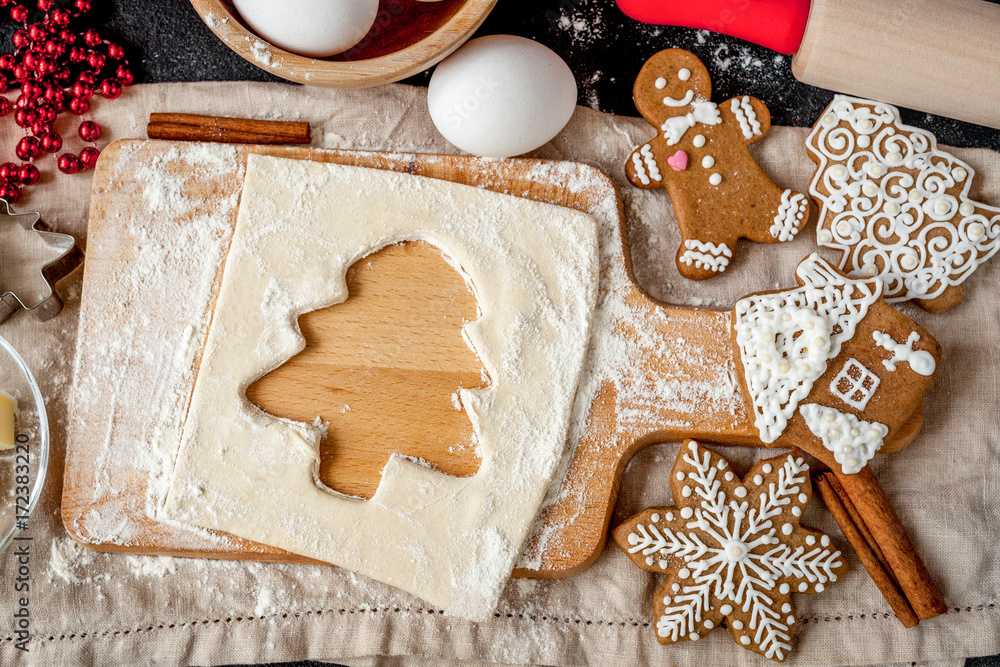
[8, 406]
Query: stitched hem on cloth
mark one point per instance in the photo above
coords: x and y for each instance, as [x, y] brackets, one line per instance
[878, 615]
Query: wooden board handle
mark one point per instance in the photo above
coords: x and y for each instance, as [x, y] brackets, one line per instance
[937, 56]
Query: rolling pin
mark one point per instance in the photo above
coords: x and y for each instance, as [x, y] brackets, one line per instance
[937, 56]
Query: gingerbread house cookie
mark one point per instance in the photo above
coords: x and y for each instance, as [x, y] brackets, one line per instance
[700, 155]
[897, 206]
[832, 368]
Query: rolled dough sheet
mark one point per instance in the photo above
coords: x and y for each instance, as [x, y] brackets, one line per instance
[451, 541]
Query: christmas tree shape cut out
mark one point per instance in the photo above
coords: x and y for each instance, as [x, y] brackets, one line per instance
[383, 370]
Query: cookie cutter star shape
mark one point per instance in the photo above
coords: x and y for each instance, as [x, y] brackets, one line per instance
[69, 257]
[733, 550]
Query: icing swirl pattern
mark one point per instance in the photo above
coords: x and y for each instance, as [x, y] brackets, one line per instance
[895, 204]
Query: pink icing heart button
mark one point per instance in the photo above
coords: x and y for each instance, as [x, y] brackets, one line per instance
[678, 160]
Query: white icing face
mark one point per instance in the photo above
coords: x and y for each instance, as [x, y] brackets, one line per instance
[682, 102]
[910, 188]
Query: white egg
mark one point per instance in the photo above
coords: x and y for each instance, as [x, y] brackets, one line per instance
[314, 28]
[501, 95]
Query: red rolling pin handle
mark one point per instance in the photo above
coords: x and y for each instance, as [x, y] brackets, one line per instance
[775, 24]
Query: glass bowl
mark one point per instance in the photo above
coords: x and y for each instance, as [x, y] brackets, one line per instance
[23, 468]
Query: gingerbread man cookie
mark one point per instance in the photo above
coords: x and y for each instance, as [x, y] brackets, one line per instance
[733, 551]
[896, 205]
[700, 155]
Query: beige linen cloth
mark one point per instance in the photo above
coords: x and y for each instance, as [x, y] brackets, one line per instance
[114, 609]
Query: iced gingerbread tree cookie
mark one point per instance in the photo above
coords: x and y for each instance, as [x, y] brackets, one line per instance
[733, 550]
[896, 205]
[700, 155]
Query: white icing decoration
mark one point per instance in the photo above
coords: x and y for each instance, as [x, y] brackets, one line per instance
[660, 83]
[640, 170]
[851, 451]
[708, 162]
[766, 468]
[921, 361]
[855, 384]
[655, 517]
[792, 209]
[684, 74]
[726, 609]
[780, 368]
[743, 110]
[650, 161]
[715, 179]
[920, 232]
[702, 111]
[682, 102]
[698, 141]
[723, 560]
[706, 255]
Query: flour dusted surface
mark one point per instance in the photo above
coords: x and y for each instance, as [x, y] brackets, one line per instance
[169, 249]
[449, 540]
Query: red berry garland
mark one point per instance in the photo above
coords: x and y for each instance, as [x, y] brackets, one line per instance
[58, 71]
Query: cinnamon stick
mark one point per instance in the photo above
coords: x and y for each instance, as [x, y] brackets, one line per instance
[897, 548]
[881, 575]
[191, 127]
[862, 527]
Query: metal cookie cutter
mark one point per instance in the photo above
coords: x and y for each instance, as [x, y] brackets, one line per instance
[71, 257]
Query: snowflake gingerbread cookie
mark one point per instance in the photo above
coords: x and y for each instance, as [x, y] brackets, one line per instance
[700, 155]
[897, 206]
[832, 368]
[733, 550]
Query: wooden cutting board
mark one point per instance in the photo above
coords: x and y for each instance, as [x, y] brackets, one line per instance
[381, 368]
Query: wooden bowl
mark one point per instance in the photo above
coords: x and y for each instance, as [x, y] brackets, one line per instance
[407, 38]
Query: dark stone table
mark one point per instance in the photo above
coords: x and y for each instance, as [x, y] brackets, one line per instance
[604, 48]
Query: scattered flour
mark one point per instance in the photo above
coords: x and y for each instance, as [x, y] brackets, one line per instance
[261, 52]
[152, 566]
[67, 560]
[213, 20]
